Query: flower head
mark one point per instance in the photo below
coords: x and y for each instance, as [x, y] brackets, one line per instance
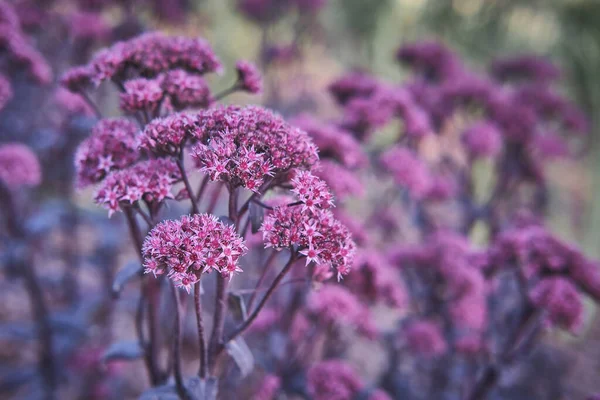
[191, 245]
[483, 139]
[342, 181]
[111, 145]
[141, 95]
[249, 79]
[166, 135]
[185, 89]
[245, 145]
[19, 166]
[150, 181]
[526, 67]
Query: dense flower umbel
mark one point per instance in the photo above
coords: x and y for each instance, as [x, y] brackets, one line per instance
[111, 145]
[245, 145]
[249, 78]
[166, 135]
[19, 166]
[150, 181]
[185, 89]
[151, 54]
[342, 181]
[141, 95]
[192, 245]
[310, 227]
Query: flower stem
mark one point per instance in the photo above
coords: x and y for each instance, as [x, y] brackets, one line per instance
[200, 325]
[188, 187]
[177, 345]
[265, 270]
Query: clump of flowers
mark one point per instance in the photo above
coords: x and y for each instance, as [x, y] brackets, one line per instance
[249, 79]
[150, 181]
[425, 337]
[192, 245]
[111, 146]
[19, 166]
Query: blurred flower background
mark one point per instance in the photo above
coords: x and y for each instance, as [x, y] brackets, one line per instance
[352, 74]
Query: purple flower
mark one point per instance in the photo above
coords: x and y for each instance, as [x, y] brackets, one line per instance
[561, 300]
[483, 139]
[249, 78]
[192, 245]
[432, 60]
[185, 89]
[165, 136]
[341, 181]
[150, 181]
[141, 95]
[408, 170]
[425, 337]
[111, 145]
[333, 379]
[353, 85]
[267, 388]
[19, 166]
[77, 78]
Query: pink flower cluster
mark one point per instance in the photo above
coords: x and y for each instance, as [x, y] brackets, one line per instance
[425, 337]
[192, 245]
[151, 54]
[141, 94]
[334, 305]
[150, 181]
[112, 145]
[244, 145]
[185, 89]
[165, 136]
[483, 139]
[562, 301]
[6, 92]
[310, 227]
[249, 78]
[19, 166]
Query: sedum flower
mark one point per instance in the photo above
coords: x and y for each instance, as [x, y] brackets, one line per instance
[112, 145]
[483, 139]
[165, 136]
[333, 380]
[141, 95]
[249, 78]
[150, 181]
[562, 301]
[191, 245]
[425, 337]
[185, 89]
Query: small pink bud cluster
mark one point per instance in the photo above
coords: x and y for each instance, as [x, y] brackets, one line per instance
[111, 145]
[249, 78]
[192, 245]
[309, 227]
[150, 181]
[19, 166]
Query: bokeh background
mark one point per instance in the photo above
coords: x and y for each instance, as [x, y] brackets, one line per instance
[345, 35]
